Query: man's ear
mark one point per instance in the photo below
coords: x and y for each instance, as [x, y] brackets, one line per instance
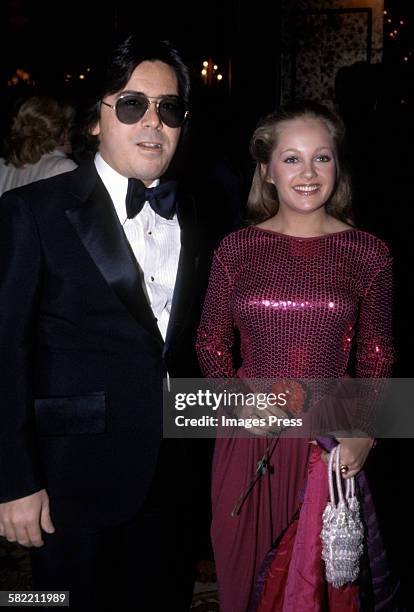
[95, 130]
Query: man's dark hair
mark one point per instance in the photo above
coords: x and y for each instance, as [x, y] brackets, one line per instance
[123, 61]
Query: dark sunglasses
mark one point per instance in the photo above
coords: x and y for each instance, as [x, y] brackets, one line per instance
[131, 107]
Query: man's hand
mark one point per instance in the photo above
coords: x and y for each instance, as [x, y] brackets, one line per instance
[22, 520]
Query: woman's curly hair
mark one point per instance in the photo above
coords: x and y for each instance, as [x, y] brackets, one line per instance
[38, 128]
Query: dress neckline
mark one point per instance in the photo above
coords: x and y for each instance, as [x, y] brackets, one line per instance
[301, 238]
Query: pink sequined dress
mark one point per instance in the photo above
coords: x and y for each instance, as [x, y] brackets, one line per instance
[299, 305]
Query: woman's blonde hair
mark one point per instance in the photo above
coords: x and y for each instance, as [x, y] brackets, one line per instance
[38, 128]
[263, 201]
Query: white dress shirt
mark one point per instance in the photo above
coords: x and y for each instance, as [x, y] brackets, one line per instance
[155, 242]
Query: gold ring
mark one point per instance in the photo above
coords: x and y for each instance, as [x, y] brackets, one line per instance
[343, 468]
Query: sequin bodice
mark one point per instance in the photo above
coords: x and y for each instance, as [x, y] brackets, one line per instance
[299, 304]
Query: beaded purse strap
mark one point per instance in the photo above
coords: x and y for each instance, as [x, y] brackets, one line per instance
[350, 482]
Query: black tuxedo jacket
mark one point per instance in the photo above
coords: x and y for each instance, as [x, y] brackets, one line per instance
[82, 359]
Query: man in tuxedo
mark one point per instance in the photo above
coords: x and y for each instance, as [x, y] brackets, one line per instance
[97, 307]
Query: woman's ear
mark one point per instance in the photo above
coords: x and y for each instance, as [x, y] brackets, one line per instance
[265, 174]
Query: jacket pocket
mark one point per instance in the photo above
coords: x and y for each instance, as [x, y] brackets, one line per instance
[74, 415]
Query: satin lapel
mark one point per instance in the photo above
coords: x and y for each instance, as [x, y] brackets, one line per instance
[184, 289]
[101, 233]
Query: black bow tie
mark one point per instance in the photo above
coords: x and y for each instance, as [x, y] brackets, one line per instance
[161, 198]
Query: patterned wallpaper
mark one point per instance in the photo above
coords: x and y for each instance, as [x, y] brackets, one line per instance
[321, 36]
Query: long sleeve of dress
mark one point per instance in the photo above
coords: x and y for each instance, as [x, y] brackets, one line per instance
[215, 336]
[375, 350]
[375, 353]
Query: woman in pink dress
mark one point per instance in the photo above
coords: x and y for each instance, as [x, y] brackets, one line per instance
[302, 287]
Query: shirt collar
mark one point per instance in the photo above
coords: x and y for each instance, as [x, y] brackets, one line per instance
[116, 185]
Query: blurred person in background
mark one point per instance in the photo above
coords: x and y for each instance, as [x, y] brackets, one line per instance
[38, 144]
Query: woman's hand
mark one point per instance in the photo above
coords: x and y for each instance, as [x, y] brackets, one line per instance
[353, 454]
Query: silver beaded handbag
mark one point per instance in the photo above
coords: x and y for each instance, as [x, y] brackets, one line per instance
[342, 530]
